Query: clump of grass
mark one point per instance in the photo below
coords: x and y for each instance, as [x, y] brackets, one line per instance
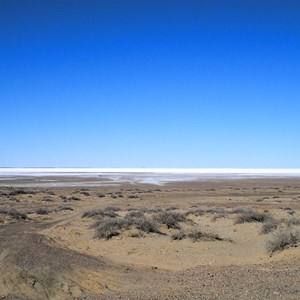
[252, 216]
[170, 219]
[178, 236]
[282, 239]
[100, 195]
[42, 211]
[133, 197]
[198, 235]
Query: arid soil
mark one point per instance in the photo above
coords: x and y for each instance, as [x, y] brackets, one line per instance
[208, 239]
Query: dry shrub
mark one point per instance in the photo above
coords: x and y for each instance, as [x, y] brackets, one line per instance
[282, 239]
[269, 226]
[112, 208]
[252, 216]
[13, 213]
[292, 221]
[178, 236]
[198, 235]
[99, 213]
[241, 210]
[147, 225]
[108, 228]
[150, 210]
[63, 207]
[199, 211]
[42, 211]
[170, 219]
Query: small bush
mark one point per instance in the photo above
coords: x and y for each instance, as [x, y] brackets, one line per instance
[134, 214]
[173, 207]
[269, 226]
[3, 211]
[63, 207]
[101, 195]
[241, 210]
[47, 199]
[108, 228]
[133, 197]
[19, 192]
[150, 210]
[198, 235]
[84, 193]
[180, 235]
[196, 211]
[216, 210]
[170, 219]
[147, 225]
[292, 221]
[15, 214]
[112, 208]
[42, 211]
[99, 213]
[252, 217]
[283, 238]
[73, 198]
[136, 234]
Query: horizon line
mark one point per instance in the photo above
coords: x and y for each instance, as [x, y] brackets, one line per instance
[150, 170]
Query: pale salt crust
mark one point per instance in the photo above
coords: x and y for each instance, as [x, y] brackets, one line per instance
[134, 175]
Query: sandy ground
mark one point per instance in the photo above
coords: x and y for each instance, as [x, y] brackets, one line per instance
[54, 253]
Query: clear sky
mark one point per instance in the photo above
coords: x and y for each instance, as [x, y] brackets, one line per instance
[212, 84]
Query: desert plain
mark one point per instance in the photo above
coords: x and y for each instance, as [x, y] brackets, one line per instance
[68, 237]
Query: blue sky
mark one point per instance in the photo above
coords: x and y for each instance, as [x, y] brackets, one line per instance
[212, 84]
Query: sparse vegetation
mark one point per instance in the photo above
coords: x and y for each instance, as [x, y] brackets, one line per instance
[198, 235]
[100, 213]
[63, 207]
[197, 211]
[42, 211]
[13, 213]
[241, 210]
[292, 221]
[283, 238]
[170, 219]
[147, 225]
[252, 216]
[269, 226]
[107, 228]
[179, 235]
